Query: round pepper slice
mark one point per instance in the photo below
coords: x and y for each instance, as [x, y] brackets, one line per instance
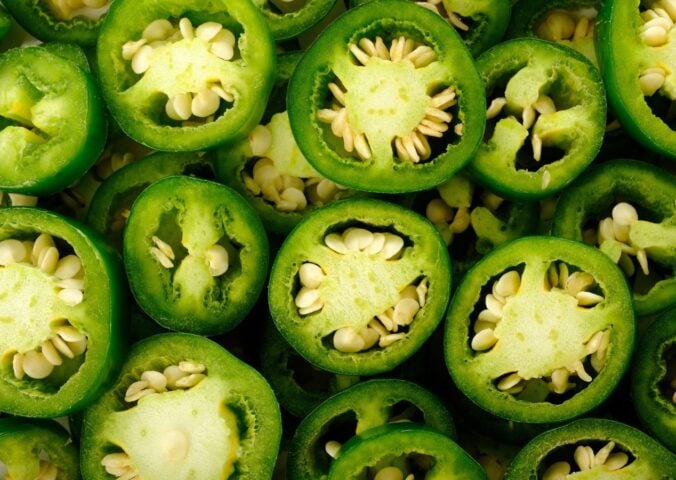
[395, 104]
[62, 310]
[205, 249]
[183, 408]
[51, 131]
[653, 379]
[593, 448]
[32, 449]
[546, 118]
[184, 76]
[540, 330]
[359, 285]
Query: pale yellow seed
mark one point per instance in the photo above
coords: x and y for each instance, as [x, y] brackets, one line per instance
[389, 473]
[579, 281]
[421, 291]
[508, 284]
[205, 103]
[71, 296]
[179, 107]
[140, 62]
[588, 299]
[315, 307]
[528, 116]
[222, 46]
[69, 333]
[370, 337]
[12, 251]
[348, 340]
[134, 389]
[361, 56]
[310, 275]
[495, 107]
[190, 380]
[556, 26]
[335, 242]
[616, 461]
[509, 381]
[557, 471]
[357, 239]
[642, 258]
[594, 342]
[584, 458]
[332, 448]
[63, 348]
[48, 471]
[624, 214]
[388, 340]
[393, 245]
[489, 316]
[172, 374]
[326, 190]
[602, 455]
[186, 29]
[130, 48]
[50, 353]
[260, 140]
[49, 258]
[306, 297]
[36, 366]
[376, 245]
[158, 30]
[405, 310]
[655, 36]
[536, 144]
[191, 367]
[208, 30]
[17, 365]
[560, 380]
[494, 305]
[155, 380]
[378, 327]
[216, 257]
[461, 220]
[484, 340]
[79, 347]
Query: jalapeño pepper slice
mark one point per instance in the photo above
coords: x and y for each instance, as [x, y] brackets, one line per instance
[394, 100]
[359, 285]
[546, 118]
[62, 309]
[626, 208]
[638, 61]
[204, 247]
[185, 76]
[319, 438]
[182, 408]
[290, 18]
[593, 448]
[540, 330]
[52, 125]
[31, 449]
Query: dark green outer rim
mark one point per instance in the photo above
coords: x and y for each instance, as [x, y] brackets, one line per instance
[105, 294]
[289, 25]
[656, 461]
[527, 12]
[639, 183]
[313, 74]
[459, 355]
[657, 413]
[248, 390]
[617, 46]
[366, 399]
[430, 252]
[241, 224]
[5, 23]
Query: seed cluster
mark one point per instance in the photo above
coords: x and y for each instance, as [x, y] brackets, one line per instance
[187, 107]
[120, 466]
[557, 25]
[68, 9]
[183, 376]
[287, 193]
[502, 290]
[585, 459]
[216, 257]
[438, 7]
[657, 23]
[413, 147]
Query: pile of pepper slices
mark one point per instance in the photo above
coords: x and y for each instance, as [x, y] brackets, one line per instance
[463, 214]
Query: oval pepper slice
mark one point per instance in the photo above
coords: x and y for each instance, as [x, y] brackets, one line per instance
[204, 247]
[394, 100]
[63, 304]
[359, 285]
[185, 76]
[182, 407]
[540, 330]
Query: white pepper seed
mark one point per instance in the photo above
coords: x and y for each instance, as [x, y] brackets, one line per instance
[348, 340]
[389, 473]
[557, 471]
[332, 448]
[36, 366]
[484, 340]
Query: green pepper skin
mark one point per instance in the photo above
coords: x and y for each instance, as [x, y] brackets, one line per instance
[650, 189]
[371, 405]
[426, 257]
[381, 173]
[139, 108]
[101, 316]
[651, 460]
[241, 389]
[474, 372]
[651, 370]
[23, 440]
[5, 23]
[192, 215]
[623, 54]
[290, 24]
[577, 129]
[50, 94]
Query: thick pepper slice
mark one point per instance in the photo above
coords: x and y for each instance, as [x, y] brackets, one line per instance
[182, 408]
[540, 330]
[359, 285]
[319, 438]
[63, 304]
[205, 249]
[185, 76]
[546, 118]
[52, 125]
[32, 449]
[653, 379]
[638, 60]
[626, 208]
[395, 104]
[593, 448]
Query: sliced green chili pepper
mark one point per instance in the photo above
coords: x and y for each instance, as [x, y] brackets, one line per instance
[493, 456]
[290, 18]
[319, 437]
[593, 448]
[638, 63]
[546, 118]
[394, 101]
[51, 131]
[5, 23]
[61, 314]
[31, 449]
[654, 379]
[626, 208]
[184, 76]
[183, 407]
[204, 247]
[359, 285]
[540, 330]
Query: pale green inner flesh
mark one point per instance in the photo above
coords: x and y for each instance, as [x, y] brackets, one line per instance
[180, 434]
[468, 8]
[540, 330]
[657, 239]
[664, 56]
[284, 151]
[357, 287]
[387, 99]
[28, 304]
